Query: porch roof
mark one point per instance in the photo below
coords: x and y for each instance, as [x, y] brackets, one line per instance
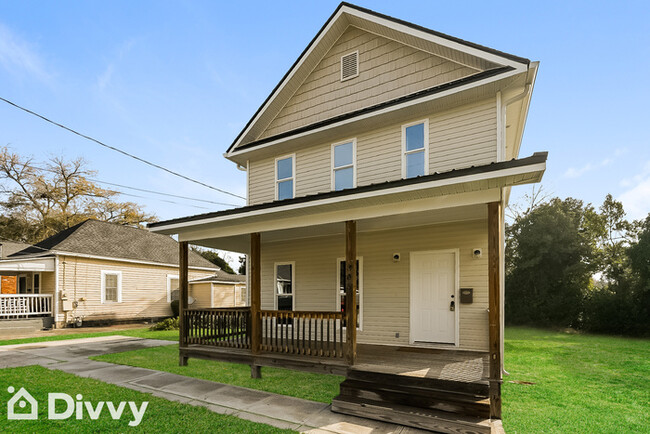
[453, 189]
[37, 264]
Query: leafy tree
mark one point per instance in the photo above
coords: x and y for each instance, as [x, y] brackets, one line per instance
[639, 256]
[37, 202]
[214, 257]
[550, 261]
[242, 265]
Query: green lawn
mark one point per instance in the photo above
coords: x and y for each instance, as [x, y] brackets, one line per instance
[160, 415]
[583, 383]
[315, 387]
[171, 335]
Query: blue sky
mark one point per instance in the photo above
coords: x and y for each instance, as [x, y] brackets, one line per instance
[174, 82]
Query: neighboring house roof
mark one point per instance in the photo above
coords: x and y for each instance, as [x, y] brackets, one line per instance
[221, 277]
[536, 158]
[97, 238]
[488, 62]
[8, 247]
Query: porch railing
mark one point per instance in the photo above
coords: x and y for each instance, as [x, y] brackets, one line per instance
[306, 333]
[25, 305]
[221, 327]
[318, 334]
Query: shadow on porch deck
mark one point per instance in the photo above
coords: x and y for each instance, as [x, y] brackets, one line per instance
[422, 362]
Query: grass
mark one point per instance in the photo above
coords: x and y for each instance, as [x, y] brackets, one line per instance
[583, 383]
[171, 335]
[314, 387]
[160, 415]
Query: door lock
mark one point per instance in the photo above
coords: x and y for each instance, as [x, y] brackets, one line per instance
[452, 306]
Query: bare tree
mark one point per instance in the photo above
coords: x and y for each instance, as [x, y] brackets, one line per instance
[38, 201]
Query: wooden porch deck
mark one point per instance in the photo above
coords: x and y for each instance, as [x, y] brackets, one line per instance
[418, 362]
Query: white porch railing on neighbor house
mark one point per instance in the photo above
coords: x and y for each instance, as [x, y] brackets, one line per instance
[25, 305]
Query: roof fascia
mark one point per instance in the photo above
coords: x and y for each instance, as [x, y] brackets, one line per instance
[130, 261]
[508, 171]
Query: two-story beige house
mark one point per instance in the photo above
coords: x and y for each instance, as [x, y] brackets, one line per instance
[387, 152]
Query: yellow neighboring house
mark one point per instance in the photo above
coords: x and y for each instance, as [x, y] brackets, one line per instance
[99, 273]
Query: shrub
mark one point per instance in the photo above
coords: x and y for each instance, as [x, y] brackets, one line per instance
[166, 324]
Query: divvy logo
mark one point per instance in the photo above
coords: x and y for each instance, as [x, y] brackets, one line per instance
[23, 406]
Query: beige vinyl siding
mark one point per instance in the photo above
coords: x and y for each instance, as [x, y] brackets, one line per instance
[48, 282]
[201, 292]
[386, 291]
[144, 288]
[228, 295]
[458, 138]
[387, 70]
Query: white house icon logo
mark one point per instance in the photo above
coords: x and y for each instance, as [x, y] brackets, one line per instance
[22, 398]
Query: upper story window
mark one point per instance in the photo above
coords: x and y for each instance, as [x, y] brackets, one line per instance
[343, 165]
[415, 149]
[285, 177]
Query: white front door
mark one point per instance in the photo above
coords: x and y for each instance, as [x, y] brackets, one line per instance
[433, 289]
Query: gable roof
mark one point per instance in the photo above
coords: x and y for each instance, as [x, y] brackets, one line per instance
[8, 247]
[97, 238]
[481, 57]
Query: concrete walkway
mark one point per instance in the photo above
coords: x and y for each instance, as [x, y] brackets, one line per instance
[277, 410]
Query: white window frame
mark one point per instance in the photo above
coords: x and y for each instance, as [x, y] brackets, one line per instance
[293, 173]
[338, 292]
[426, 146]
[169, 285]
[333, 169]
[104, 273]
[293, 284]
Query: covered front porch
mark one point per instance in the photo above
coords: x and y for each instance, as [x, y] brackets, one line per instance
[27, 290]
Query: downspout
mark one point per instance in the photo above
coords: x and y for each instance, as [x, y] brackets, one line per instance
[524, 94]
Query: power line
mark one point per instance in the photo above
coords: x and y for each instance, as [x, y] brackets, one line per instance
[120, 151]
[161, 193]
[31, 166]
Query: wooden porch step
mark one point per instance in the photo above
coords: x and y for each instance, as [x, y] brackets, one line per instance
[443, 400]
[481, 389]
[428, 419]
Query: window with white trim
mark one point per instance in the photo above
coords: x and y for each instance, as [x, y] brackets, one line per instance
[344, 165]
[415, 149]
[340, 298]
[111, 287]
[285, 177]
[172, 285]
[284, 285]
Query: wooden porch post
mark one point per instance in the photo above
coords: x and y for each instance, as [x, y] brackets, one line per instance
[494, 299]
[256, 289]
[183, 295]
[351, 290]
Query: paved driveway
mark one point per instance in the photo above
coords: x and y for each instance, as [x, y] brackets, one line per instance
[277, 410]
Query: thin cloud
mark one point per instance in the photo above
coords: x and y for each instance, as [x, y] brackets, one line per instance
[636, 201]
[573, 172]
[19, 57]
[105, 77]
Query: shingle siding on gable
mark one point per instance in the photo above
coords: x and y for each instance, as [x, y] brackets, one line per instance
[460, 137]
[387, 70]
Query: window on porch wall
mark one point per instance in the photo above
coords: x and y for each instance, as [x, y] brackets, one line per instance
[284, 277]
[342, 291]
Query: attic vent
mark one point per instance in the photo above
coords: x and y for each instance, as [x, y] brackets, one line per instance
[349, 66]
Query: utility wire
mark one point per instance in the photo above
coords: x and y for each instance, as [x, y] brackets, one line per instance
[31, 166]
[161, 193]
[120, 151]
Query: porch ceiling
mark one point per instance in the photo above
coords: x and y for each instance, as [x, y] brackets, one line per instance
[241, 243]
